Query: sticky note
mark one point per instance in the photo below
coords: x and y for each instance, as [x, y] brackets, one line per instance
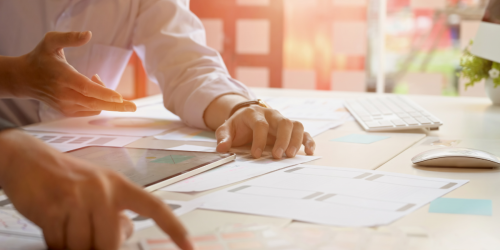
[461, 206]
[360, 139]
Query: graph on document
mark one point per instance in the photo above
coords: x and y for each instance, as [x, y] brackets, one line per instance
[11, 222]
[338, 196]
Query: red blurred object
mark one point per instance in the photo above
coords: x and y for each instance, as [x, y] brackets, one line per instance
[229, 11]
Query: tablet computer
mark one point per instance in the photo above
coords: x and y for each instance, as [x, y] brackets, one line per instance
[152, 168]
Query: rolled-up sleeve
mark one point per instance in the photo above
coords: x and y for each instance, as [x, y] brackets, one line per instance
[170, 40]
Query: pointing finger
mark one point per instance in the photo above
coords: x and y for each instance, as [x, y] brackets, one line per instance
[260, 129]
[309, 144]
[224, 137]
[87, 87]
[145, 204]
[296, 139]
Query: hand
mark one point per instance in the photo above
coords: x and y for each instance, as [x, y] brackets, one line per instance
[262, 126]
[45, 75]
[77, 205]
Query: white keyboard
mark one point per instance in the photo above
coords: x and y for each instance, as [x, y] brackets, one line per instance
[390, 113]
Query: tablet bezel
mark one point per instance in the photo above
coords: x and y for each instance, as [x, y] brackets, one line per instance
[178, 176]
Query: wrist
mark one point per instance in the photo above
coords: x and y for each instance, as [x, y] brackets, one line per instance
[219, 110]
[9, 142]
[11, 76]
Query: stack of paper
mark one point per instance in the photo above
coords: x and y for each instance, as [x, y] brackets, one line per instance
[314, 108]
[333, 196]
[245, 167]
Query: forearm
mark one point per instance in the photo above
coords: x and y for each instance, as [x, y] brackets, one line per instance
[9, 139]
[218, 111]
[9, 76]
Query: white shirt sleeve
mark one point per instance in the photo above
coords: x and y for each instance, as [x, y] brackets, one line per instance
[170, 40]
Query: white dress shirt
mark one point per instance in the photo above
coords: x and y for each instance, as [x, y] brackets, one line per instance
[166, 35]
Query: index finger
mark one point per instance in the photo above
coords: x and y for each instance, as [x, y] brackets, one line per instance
[86, 87]
[145, 204]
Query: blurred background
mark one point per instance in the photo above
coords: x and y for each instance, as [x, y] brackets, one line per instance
[334, 44]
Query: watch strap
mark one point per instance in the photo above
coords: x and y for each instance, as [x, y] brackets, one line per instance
[240, 105]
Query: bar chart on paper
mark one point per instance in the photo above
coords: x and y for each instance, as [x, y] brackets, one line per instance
[68, 142]
[339, 196]
[188, 134]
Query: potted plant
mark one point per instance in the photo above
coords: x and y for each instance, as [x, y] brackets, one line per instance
[475, 69]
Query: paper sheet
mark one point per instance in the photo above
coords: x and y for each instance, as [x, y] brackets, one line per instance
[245, 167]
[361, 138]
[14, 242]
[188, 134]
[178, 208]
[146, 121]
[13, 223]
[68, 142]
[316, 109]
[314, 128]
[338, 196]
[193, 148]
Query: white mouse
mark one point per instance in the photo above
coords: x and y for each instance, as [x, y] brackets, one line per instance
[457, 157]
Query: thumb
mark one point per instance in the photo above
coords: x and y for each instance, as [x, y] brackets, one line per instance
[58, 40]
[95, 78]
[224, 138]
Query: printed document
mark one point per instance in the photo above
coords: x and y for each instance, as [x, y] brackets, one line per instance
[334, 196]
[68, 142]
[146, 121]
[314, 108]
[245, 167]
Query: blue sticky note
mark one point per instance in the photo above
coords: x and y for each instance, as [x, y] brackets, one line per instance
[461, 206]
[361, 139]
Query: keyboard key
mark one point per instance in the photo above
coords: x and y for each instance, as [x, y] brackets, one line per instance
[423, 120]
[390, 112]
[433, 119]
[373, 124]
[386, 123]
[410, 121]
[398, 122]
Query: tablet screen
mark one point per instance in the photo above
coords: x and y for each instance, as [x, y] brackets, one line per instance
[146, 167]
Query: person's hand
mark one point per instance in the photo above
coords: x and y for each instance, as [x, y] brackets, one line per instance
[45, 75]
[263, 126]
[77, 205]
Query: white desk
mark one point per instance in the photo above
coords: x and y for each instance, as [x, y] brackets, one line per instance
[467, 119]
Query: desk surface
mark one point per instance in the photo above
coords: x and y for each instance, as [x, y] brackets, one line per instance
[474, 121]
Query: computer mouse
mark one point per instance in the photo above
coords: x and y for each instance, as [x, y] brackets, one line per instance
[457, 157]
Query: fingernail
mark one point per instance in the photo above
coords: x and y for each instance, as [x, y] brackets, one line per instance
[279, 153]
[258, 152]
[130, 107]
[82, 35]
[293, 150]
[98, 78]
[117, 99]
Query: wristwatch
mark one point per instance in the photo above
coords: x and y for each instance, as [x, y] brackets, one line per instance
[240, 105]
[4, 125]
